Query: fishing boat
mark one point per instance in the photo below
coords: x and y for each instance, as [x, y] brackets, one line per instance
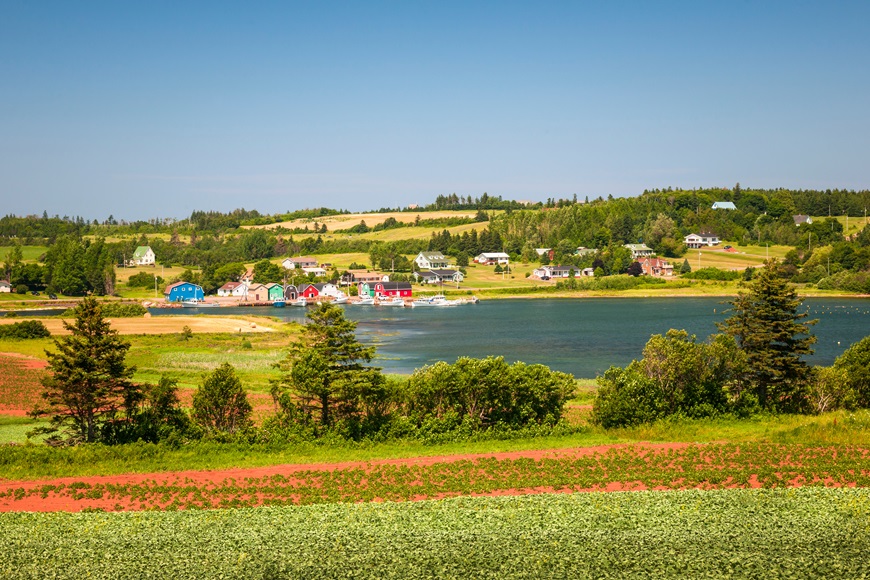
[279, 303]
[365, 301]
[437, 300]
[394, 301]
[340, 299]
[301, 301]
[194, 303]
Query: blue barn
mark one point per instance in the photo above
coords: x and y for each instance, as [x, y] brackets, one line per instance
[183, 291]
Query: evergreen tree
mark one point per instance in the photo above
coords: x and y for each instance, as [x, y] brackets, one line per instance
[686, 267]
[766, 324]
[89, 380]
[324, 373]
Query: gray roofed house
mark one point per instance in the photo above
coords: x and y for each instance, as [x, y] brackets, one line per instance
[430, 260]
[802, 219]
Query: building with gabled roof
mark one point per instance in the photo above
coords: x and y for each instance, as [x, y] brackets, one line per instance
[181, 291]
[639, 250]
[430, 260]
[724, 205]
[142, 256]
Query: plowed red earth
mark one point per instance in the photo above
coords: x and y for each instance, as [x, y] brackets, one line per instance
[603, 468]
[20, 385]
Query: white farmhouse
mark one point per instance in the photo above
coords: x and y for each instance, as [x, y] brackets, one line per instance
[430, 260]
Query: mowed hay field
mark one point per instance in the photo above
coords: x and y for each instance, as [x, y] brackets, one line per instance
[171, 324]
[345, 221]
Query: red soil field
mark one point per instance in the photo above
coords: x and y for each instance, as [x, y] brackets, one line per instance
[649, 466]
[19, 383]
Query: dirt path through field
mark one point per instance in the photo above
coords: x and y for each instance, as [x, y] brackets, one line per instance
[167, 324]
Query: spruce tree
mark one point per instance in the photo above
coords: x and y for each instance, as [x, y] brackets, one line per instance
[325, 372]
[768, 328]
[89, 380]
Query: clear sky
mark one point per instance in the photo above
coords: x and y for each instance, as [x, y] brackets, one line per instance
[154, 109]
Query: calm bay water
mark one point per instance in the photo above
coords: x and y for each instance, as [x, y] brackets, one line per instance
[580, 336]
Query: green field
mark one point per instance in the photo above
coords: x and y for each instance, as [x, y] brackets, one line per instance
[794, 533]
[29, 253]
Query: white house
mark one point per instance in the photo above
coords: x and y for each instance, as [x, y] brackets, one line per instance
[801, 219]
[556, 272]
[724, 205]
[5, 286]
[430, 260]
[440, 275]
[299, 262]
[143, 256]
[316, 270]
[696, 241]
[639, 250]
[490, 258]
[233, 289]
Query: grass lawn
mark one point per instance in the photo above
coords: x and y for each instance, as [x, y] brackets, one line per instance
[29, 253]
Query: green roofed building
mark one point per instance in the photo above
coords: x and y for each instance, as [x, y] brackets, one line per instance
[143, 256]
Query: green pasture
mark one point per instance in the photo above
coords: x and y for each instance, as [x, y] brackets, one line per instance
[779, 533]
[29, 253]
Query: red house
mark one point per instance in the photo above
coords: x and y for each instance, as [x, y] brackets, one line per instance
[401, 289]
[309, 291]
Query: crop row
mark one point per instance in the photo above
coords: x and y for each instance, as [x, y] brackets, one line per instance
[795, 533]
[712, 466]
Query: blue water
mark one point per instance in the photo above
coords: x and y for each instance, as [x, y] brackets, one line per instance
[581, 336]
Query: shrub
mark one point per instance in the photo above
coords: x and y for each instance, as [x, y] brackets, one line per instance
[24, 329]
[712, 274]
[855, 367]
[116, 310]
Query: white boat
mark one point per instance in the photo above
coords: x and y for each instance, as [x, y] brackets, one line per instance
[301, 301]
[365, 301]
[437, 300]
[194, 303]
[394, 301]
[340, 299]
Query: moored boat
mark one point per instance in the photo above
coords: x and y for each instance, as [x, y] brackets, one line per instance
[194, 303]
[301, 301]
[279, 303]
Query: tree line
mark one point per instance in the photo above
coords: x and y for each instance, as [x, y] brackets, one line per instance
[755, 364]
[325, 388]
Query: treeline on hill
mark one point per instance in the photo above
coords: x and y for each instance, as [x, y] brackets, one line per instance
[326, 390]
[71, 266]
[756, 364]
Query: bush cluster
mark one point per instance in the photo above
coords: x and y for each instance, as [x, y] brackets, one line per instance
[24, 329]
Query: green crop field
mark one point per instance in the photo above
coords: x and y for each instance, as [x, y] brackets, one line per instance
[29, 253]
[795, 533]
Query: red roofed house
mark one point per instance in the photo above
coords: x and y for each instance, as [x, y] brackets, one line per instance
[401, 289]
[656, 267]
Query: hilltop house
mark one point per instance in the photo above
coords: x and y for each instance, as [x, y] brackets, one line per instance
[5, 286]
[299, 262]
[639, 250]
[247, 277]
[724, 205]
[584, 251]
[696, 241]
[143, 256]
[492, 258]
[801, 219]
[181, 291]
[430, 260]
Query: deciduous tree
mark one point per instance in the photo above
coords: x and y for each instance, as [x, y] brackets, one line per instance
[220, 404]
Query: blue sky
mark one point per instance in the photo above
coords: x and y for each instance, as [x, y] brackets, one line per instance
[155, 109]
